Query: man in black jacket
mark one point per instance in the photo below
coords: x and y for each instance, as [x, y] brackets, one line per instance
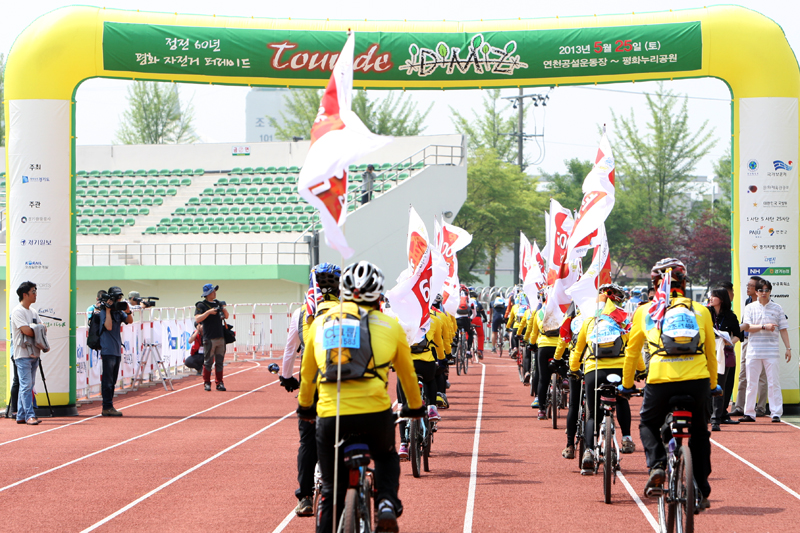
[211, 312]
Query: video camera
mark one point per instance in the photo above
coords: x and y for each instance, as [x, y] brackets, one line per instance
[218, 305]
[114, 301]
[144, 302]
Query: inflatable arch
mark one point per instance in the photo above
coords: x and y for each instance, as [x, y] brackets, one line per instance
[61, 49]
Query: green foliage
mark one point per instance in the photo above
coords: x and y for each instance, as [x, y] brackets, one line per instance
[2, 100]
[486, 130]
[396, 114]
[154, 116]
[654, 164]
[501, 201]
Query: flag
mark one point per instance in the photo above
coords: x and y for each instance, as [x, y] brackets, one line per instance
[338, 138]
[313, 296]
[584, 292]
[449, 240]
[525, 256]
[558, 301]
[534, 279]
[559, 228]
[598, 202]
[661, 300]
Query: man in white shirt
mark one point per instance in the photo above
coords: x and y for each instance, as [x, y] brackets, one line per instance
[765, 321]
[26, 354]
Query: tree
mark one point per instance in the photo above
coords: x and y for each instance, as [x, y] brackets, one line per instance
[654, 164]
[154, 116]
[2, 100]
[501, 201]
[487, 130]
[392, 115]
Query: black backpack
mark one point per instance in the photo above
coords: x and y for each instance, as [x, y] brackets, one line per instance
[355, 360]
[95, 330]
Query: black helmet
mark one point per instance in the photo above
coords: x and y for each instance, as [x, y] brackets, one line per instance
[361, 282]
[613, 291]
[327, 275]
[677, 266]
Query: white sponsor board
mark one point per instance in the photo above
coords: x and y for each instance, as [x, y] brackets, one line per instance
[767, 204]
[38, 183]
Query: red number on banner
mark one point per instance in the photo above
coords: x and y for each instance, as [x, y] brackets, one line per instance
[619, 46]
[598, 47]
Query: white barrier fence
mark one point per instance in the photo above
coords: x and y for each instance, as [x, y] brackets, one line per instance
[261, 333]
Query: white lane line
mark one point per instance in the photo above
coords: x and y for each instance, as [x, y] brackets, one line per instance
[790, 424]
[473, 472]
[757, 469]
[120, 409]
[79, 459]
[285, 522]
[639, 503]
[184, 474]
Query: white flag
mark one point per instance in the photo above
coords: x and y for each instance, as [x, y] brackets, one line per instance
[559, 228]
[584, 292]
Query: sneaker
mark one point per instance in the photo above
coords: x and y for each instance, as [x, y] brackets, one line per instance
[703, 504]
[628, 446]
[494, 349]
[441, 401]
[446, 384]
[747, 418]
[737, 411]
[305, 507]
[761, 412]
[403, 452]
[715, 427]
[656, 479]
[480, 355]
[386, 518]
[542, 415]
[433, 413]
[776, 419]
[527, 379]
[568, 452]
[587, 463]
[220, 386]
[111, 412]
[33, 421]
[730, 421]
[207, 385]
[535, 404]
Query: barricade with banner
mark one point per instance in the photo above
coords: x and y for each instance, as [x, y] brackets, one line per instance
[261, 333]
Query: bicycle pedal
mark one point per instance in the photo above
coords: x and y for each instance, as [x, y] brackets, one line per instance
[654, 492]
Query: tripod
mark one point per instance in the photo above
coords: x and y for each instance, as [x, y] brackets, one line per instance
[152, 354]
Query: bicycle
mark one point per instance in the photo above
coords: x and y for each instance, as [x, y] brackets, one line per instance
[557, 396]
[357, 512]
[501, 340]
[519, 353]
[419, 435]
[678, 503]
[580, 439]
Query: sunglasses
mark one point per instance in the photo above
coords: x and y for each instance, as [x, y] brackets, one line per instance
[763, 290]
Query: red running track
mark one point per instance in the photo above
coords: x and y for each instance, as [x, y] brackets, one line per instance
[192, 460]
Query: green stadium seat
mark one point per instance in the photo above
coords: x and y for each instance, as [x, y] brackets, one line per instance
[175, 182]
[94, 173]
[304, 219]
[308, 208]
[240, 190]
[281, 199]
[165, 221]
[179, 211]
[214, 229]
[108, 221]
[233, 180]
[264, 190]
[163, 172]
[224, 229]
[271, 170]
[83, 230]
[234, 229]
[227, 200]
[206, 200]
[116, 182]
[194, 229]
[82, 183]
[127, 182]
[266, 228]
[261, 219]
[150, 231]
[291, 179]
[244, 229]
[279, 180]
[161, 230]
[113, 202]
[93, 183]
[230, 220]
[240, 220]
[297, 208]
[120, 211]
[402, 176]
[149, 191]
[362, 167]
[247, 170]
[297, 227]
[127, 192]
[80, 173]
[286, 189]
[272, 219]
[219, 221]
[144, 211]
[176, 221]
[235, 171]
[271, 199]
[136, 201]
[233, 210]
[177, 172]
[352, 168]
[171, 191]
[186, 182]
[213, 210]
[188, 172]
[160, 192]
[199, 221]
[187, 221]
[109, 211]
[283, 219]
[174, 230]
[205, 229]
[118, 221]
[184, 230]
[152, 172]
[115, 192]
[245, 180]
[84, 221]
[152, 182]
[130, 221]
[292, 219]
[141, 172]
[231, 191]
[102, 193]
[140, 183]
[240, 200]
[352, 187]
[133, 211]
[351, 208]
[282, 170]
[260, 170]
[94, 230]
[158, 201]
[79, 202]
[193, 201]
[147, 201]
[81, 192]
[210, 192]
[267, 180]
[191, 211]
[256, 180]
[203, 210]
[97, 211]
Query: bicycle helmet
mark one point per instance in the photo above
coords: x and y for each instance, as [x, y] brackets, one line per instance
[438, 299]
[361, 282]
[677, 266]
[327, 275]
[613, 291]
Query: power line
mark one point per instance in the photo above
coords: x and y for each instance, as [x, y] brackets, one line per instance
[648, 94]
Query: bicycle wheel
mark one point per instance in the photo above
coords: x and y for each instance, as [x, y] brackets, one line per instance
[466, 364]
[556, 397]
[684, 510]
[460, 354]
[414, 446]
[365, 507]
[533, 374]
[663, 510]
[520, 370]
[500, 336]
[608, 465]
[349, 519]
[426, 451]
[579, 435]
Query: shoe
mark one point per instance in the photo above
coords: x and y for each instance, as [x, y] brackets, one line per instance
[703, 504]
[220, 386]
[628, 446]
[494, 350]
[207, 385]
[656, 479]
[403, 452]
[542, 415]
[729, 421]
[568, 452]
[747, 418]
[535, 404]
[736, 412]
[441, 401]
[20, 421]
[715, 427]
[433, 413]
[446, 384]
[480, 355]
[527, 379]
[305, 507]
[761, 412]
[386, 518]
[587, 463]
[776, 419]
[111, 412]
[33, 421]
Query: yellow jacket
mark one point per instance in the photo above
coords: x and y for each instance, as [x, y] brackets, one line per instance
[447, 331]
[434, 336]
[535, 334]
[562, 345]
[669, 369]
[365, 395]
[330, 302]
[513, 322]
[582, 352]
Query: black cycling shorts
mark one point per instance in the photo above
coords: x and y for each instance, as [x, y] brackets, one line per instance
[497, 321]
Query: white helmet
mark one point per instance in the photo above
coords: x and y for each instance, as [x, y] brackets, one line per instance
[361, 282]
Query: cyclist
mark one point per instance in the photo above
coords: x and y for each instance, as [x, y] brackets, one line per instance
[478, 319]
[465, 313]
[601, 347]
[498, 309]
[546, 342]
[527, 349]
[515, 315]
[690, 374]
[365, 406]
[327, 277]
[568, 337]
[442, 370]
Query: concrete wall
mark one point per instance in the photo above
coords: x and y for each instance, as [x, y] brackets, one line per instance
[378, 231]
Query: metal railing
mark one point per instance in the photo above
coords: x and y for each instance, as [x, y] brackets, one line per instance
[191, 254]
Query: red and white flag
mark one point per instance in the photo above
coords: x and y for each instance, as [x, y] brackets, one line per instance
[558, 301]
[449, 240]
[411, 298]
[584, 291]
[338, 139]
[660, 303]
[559, 228]
[531, 271]
[598, 202]
[314, 296]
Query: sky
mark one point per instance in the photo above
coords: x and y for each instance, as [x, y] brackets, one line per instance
[569, 123]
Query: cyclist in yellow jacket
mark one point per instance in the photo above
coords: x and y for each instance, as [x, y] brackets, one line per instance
[546, 342]
[442, 371]
[364, 404]
[674, 371]
[568, 337]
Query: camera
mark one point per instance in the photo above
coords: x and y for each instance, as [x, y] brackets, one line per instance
[143, 302]
[115, 302]
[218, 305]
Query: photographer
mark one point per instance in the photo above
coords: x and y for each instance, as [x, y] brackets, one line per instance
[139, 302]
[211, 312]
[26, 354]
[113, 313]
[101, 296]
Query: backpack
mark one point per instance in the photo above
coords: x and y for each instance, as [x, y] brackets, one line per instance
[356, 352]
[95, 330]
[463, 303]
[549, 332]
[680, 334]
[421, 346]
[608, 336]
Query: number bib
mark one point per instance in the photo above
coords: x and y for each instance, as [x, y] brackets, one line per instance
[346, 335]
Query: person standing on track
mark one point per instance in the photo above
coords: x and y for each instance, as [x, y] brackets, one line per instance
[326, 276]
[761, 405]
[111, 346]
[211, 312]
[674, 374]
[26, 354]
[364, 405]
